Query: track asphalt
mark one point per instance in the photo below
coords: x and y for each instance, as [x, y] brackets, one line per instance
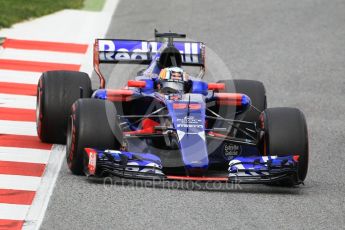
[297, 49]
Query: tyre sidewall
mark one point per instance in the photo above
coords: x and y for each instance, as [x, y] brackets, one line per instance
[286, 134]
[92, 124]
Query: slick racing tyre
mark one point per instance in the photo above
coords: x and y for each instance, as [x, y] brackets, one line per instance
[56, 92]
[285, 133]
[93, 124]
[257, 94]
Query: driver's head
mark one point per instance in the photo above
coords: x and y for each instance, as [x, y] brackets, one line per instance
[171, 80]
[171, 73]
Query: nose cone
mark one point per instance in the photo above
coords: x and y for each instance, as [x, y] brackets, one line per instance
[189, 120]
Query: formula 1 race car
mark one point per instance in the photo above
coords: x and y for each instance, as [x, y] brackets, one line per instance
[168, 125]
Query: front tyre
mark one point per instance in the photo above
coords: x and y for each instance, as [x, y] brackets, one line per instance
[93, 124]
[285, 133]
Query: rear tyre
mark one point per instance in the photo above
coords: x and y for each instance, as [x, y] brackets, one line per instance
[93, 124]
[56, 92]
[286, 134]
[257, 94]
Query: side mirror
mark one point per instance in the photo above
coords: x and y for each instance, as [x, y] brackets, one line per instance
[199, 87]
[216, 86]
[137, 84]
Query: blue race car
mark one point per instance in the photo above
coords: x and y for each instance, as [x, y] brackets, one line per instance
[168, 125]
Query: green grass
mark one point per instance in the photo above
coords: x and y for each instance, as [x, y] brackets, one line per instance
[93, 5]
[13, 11]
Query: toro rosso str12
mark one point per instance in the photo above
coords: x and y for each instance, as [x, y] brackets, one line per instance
[168, 125]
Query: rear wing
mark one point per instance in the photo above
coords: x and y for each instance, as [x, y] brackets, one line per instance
[142, 52]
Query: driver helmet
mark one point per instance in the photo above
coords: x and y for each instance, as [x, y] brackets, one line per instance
[171, 80]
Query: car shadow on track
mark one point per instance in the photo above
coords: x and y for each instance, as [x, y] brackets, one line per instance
[109, 182]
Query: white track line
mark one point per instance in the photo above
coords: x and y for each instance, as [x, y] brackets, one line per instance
[18, 128]
[17, 101]
[19, 76]
[13, 211]
[87, 30]
[39, 206]
[42, 56]
[30, 183]
[24, 155]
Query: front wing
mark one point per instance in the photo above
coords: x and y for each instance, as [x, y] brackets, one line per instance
[242, 169]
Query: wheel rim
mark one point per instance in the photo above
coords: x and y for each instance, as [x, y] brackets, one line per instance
[69, 139]
[38, 109]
